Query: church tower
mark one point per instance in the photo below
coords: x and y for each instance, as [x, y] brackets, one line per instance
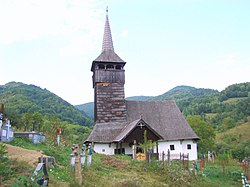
[108, 82]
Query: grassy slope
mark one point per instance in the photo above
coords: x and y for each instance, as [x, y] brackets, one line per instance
[234, 100]
[241, 130]
[120, 170]
[59, 175]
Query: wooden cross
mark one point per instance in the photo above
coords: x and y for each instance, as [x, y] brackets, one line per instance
[141, 125]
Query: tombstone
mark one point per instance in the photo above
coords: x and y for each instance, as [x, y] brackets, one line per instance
[210, 156]
[1, 115]
[90, 153]
[83, 155]
[7, 132]
[1, 120]
[35, 137]
[58, 132]
[49, 161]
[40, 175]
[134, 150]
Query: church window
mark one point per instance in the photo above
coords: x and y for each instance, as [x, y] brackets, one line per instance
[110, 67]
[188, 146]
[118, 67]
[120, 151]
[101, 66]
[171, 147]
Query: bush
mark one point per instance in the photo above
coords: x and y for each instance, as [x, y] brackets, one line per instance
[233, 174]
[5, 167]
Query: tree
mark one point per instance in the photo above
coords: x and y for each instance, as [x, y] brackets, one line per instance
[147, 145]
[205, 132]
[27, 120]
[228, 123]
[37, 121]
[5, 169]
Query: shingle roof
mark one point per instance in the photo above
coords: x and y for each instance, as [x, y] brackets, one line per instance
[129, 127]
[108, 56]
[108, 53]
[163, 117]
[105, 132]
[107, 43]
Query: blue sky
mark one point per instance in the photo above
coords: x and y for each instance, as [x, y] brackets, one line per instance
[166, 43]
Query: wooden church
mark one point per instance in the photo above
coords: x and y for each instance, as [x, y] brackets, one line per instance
[119, 123]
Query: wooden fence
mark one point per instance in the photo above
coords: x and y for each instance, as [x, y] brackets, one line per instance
[168, 157]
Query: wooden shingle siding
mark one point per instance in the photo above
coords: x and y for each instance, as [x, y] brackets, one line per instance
[115, 76]
[110, 102]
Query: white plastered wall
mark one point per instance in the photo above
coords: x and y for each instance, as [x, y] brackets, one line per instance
[180, 146]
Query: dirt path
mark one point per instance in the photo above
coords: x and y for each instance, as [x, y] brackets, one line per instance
[29, 156]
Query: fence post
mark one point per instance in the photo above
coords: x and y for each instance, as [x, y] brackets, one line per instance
[183, 159]
[163, 158]
[168, 156]
[147, 154]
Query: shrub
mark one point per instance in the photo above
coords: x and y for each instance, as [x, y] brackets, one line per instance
[5, 167]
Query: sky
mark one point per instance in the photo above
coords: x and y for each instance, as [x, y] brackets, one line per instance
[166, 43]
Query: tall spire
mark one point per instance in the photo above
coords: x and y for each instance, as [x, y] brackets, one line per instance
[107, 43]
[108, 54]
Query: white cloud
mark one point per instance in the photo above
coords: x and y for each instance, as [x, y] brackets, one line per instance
[29, 20]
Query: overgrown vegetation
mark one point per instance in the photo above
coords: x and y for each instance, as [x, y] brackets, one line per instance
[5, 169]
[120, 170]
[22, 171]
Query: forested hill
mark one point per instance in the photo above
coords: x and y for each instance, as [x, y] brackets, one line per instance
[187, 96]
[139, 98]
[185, 92]
[183, 95]
[20, 98]
[88, 108]
[223, 109]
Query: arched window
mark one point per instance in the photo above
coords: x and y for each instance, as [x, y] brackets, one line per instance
[118, 67]
[101, 66]
[109, 66]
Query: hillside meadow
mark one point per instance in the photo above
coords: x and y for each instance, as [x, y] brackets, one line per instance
[121, 170]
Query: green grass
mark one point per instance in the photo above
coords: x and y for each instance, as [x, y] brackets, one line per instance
[234, 100]
[232, 176]
[61, 172]
[122, 171]
[242, 130]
